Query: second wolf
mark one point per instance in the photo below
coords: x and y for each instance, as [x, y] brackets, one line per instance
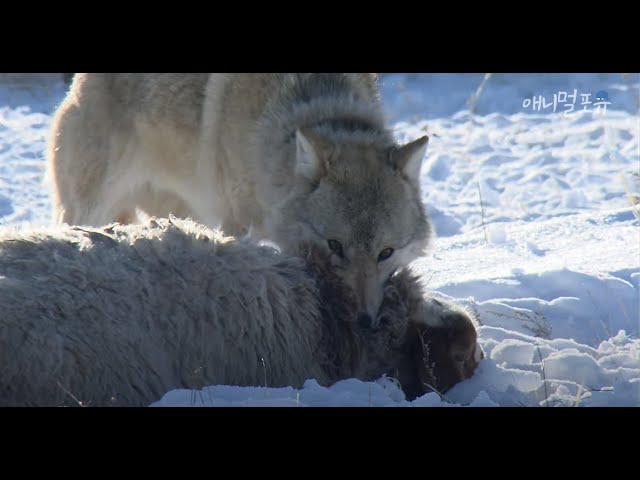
[291, 157]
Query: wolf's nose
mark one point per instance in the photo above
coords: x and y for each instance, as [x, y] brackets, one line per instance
[364, 319]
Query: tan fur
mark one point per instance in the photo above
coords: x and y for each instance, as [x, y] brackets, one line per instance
[293, 158]
[120, 315]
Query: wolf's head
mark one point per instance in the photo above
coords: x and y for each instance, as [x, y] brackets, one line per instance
[360, 201]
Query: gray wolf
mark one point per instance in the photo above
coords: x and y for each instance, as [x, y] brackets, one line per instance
[294, 158]
[119, 315]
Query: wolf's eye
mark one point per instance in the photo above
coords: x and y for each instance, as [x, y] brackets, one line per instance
[384, 254]
[335, 247]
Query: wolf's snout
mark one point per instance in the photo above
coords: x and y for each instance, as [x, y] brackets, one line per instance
[364, 319]
[368, 294]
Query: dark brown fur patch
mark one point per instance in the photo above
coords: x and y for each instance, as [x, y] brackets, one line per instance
[422, 358]
[428, 359]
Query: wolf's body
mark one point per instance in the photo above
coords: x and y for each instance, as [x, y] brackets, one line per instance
[122, 314]
[293, 158]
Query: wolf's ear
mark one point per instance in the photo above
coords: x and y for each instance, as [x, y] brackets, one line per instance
[408, 158]
[312, 154]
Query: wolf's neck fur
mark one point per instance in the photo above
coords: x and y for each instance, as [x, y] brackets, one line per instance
[332, 105]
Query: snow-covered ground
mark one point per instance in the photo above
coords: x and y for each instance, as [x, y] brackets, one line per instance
[534, 212]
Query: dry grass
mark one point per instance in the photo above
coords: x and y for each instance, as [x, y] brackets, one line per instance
[486, 239]
[544, 376]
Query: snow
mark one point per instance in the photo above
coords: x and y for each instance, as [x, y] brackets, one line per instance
[536, 232]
